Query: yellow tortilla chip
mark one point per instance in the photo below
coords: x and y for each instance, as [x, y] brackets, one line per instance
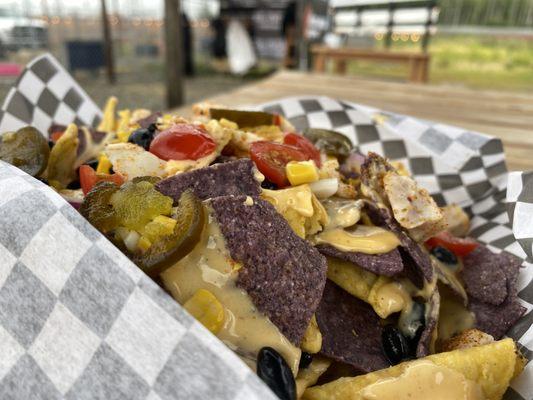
[351, 278]
[491, 366]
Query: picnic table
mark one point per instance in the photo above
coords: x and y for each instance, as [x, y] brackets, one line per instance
[508, 116]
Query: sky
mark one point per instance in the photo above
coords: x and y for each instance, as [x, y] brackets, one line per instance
[141, 8]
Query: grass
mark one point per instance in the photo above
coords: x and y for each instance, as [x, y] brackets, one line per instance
[473, 61]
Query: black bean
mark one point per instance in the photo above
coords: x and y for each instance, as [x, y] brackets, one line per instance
[75, 185]
[266, 184]
[305, 360]
[274, 371]
[444, 255]
[395, 345]
[142, 137]
[92, 163]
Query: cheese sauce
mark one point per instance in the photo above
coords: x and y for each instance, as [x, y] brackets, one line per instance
[343, 213]
[363, 239]
[245, 329]
[424, 380]
[454, 318]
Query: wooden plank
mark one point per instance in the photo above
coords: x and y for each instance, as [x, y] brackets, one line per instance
[508, 116]
[366, 53]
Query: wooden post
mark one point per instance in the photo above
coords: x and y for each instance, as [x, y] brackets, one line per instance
[301, 42]
[173, 54]
[108, 45]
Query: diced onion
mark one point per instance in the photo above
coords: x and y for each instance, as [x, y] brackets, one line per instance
[325, 187]
[131, 240]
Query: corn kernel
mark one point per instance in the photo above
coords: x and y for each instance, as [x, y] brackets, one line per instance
[158, 227]
[104, 165]
[167, 223]
[226, 123]
[123, 136]
[300, 172]
[144, 244]
[206, 308]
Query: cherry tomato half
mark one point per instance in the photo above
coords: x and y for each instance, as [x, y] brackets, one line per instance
[183, 142]
[271, 159]
[459, 246]
[89, 178]
[304, 145]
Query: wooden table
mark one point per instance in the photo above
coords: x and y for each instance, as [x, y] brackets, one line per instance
[508, 116]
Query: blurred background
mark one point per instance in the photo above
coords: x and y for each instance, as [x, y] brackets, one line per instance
[118, 47]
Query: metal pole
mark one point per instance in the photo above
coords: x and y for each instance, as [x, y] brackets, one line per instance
[108, 46]
[173, 53]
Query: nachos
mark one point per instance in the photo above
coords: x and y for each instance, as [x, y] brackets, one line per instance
[333, 274]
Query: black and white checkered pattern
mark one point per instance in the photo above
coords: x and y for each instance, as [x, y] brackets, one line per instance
[456, 166]
[78, 320]
[44, 94]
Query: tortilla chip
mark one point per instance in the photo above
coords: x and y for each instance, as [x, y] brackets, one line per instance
[488, 277]
[351, 330]
[230, 178]
[496, 320]
[283, 274]
[351, 278]
[484, 276]
[426, 343]
[387, 264]
[492, 366]
[149, 120]
[416, 262]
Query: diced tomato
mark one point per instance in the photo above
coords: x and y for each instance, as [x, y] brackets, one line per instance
[271, 159]
[183, 142]
[89, 178]
[459, 246]
[304, 145]
[277, 120]
[56, 135]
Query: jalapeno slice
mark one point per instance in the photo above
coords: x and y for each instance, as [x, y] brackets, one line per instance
[245, 119]
[330, 142]
[26, 149]
[168, 250]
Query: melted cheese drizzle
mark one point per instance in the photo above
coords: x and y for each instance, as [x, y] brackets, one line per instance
[245, 330]
[342, 213]
[424, 380]
[453, 318]
[364, 239]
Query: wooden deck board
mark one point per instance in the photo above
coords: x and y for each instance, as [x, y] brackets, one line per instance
[508, 116]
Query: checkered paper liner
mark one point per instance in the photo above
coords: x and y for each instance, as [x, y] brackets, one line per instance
[45, 94]
[78, 320]
[456, 166]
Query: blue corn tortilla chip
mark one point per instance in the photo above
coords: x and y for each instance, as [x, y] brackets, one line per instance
[416, 261]
[351, 330]
[149, 120]
[283, 274]
[485, 275]
[387, 264]
[496, 320]
[432, 316]
[493, 316]
[229, 178]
